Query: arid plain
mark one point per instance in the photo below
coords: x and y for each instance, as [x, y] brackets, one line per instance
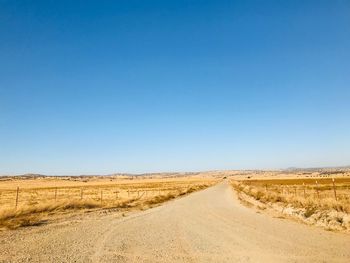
[219, 216]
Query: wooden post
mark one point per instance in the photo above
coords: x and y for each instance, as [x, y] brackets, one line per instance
[335, 191]
[81, 193]
[138, 193]
[318, 194]
[55, 194]
[295, 190]
[116, 194]
[101, 196]
[17, 192]
[266, 188]
[128, 193]
[304, 190]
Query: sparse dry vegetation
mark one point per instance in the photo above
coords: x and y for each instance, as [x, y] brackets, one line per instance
[314, 200]
[34, 206]
[299, 195]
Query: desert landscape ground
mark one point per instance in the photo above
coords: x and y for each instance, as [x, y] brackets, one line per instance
[34, 199]
[223, 216]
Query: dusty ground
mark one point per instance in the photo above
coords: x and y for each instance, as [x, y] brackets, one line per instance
[206, 226]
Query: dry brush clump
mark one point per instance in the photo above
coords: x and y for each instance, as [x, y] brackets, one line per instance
[28, 215]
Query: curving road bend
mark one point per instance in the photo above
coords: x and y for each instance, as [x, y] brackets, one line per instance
[206, 226]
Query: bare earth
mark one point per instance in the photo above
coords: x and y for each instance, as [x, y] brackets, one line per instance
[206, 226]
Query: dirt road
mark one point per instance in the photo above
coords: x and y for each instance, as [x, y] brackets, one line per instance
[207, 226]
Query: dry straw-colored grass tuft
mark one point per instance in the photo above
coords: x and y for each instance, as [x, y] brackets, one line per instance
[32, 215]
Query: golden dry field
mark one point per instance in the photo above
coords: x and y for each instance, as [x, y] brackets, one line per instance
[101, 219]
[318, 194]
[27, 201]
[321, 187]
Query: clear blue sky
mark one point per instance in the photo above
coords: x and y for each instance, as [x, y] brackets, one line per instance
[137, 86]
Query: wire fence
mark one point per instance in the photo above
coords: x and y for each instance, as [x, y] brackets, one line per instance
[315, 189]
[23, 196]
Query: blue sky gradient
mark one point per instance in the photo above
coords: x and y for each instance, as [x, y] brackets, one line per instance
[95, 87]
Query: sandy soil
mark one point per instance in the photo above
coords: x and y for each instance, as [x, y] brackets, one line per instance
[206, 226]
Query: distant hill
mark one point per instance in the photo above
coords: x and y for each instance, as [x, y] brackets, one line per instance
[318, 169]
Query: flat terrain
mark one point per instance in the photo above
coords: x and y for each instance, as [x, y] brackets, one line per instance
[206, 226]
[27, 202]
[43, 190]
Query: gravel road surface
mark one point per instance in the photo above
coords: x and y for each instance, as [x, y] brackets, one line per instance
[206, 226]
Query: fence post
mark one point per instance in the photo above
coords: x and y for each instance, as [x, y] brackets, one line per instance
[304, 190]
[17, 192]
[116, 194]
[335, 191]
[266, 188]
[81, 193]
[295, 191]
[55, 194]
[101, 196]
[318, 195]
[128, 193]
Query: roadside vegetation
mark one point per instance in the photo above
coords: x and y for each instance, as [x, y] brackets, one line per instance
[319, 201]
[35, 206]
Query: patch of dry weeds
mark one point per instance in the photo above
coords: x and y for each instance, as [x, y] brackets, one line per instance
[36, 214]
[326, 212]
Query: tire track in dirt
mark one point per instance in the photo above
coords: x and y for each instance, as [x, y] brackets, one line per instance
[108, 234]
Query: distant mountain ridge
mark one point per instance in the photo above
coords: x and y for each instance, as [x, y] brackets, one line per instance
[329, 168]
[163, 174]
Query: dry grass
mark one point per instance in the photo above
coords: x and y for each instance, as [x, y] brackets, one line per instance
[301, 199]
[36, 205]
[32, 215]
[295, 196]
[162, 198]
